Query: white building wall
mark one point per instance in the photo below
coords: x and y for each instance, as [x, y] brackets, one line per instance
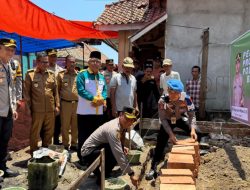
[226, 20]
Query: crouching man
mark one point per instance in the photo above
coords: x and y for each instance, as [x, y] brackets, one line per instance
[111, 137]
[171, 109]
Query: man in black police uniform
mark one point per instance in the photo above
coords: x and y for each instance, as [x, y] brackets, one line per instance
[7, 103]
[171, 109]
[111, 136]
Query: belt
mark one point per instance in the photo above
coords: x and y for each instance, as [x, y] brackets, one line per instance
[71, 101]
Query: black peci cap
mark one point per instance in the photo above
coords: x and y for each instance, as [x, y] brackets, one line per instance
[95, 54]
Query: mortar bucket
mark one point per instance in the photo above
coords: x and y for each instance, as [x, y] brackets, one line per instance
[43, 173]
[115, 184]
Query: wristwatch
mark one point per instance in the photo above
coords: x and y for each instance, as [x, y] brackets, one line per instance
[131, 173]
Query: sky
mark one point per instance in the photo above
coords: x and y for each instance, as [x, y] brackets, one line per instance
[84, 10]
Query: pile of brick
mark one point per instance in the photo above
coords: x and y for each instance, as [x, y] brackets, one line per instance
[21, 129]
[182, 167]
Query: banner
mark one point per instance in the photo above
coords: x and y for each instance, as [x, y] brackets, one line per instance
[240, 78]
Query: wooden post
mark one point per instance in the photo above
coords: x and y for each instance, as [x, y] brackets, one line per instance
[99, 161]
[203, 88]
[129, 134]
[141, 124]
[102, 169]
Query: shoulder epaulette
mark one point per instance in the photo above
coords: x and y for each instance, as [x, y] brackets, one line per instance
[188, 99]
[49, 71]
[30, 70]
[82, 70]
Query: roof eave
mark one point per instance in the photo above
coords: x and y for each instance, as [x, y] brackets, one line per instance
[119, 27]
[148, 27]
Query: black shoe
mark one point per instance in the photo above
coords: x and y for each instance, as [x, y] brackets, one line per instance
[10, 173]
[57, 143]
[98, 180]
[8, 157]
[74, 148]
[66, 147]
[152, 174]
[82, 162]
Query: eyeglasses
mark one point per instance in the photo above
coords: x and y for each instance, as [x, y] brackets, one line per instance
[171, 91]
[95, 61]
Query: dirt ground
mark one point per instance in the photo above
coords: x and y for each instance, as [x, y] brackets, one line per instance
[72, 172]
[228, 168]
[19, 163]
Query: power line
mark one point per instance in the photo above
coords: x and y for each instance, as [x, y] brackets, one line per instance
[192, 27]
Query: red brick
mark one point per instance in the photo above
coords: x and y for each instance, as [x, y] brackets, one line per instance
[189, 140]
[177, 180]
[176, 172]
[180, 157]
[177, 187]
[186, 152]
[188, 145]
[182, 162]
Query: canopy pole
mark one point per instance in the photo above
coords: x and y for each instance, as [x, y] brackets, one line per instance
[28, 60]
[21, 53]
[83, 64]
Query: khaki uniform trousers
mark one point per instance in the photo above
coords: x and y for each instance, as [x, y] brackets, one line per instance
[69, 119]
[44, 122]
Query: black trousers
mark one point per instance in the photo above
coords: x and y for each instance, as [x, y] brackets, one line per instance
[110, 160]
[6, 125]
[162, 140]
[86, 124]
[108, 113]
[57, 129]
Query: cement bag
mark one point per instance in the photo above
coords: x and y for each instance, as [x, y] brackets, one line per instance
[136, 140]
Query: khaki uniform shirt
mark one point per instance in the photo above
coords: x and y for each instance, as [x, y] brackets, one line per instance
[7, 91]
[67, 86]
[168, 110]
[41, 91]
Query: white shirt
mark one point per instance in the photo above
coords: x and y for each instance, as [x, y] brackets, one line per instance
[56, 69]
[164, 78]
[124, 95]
